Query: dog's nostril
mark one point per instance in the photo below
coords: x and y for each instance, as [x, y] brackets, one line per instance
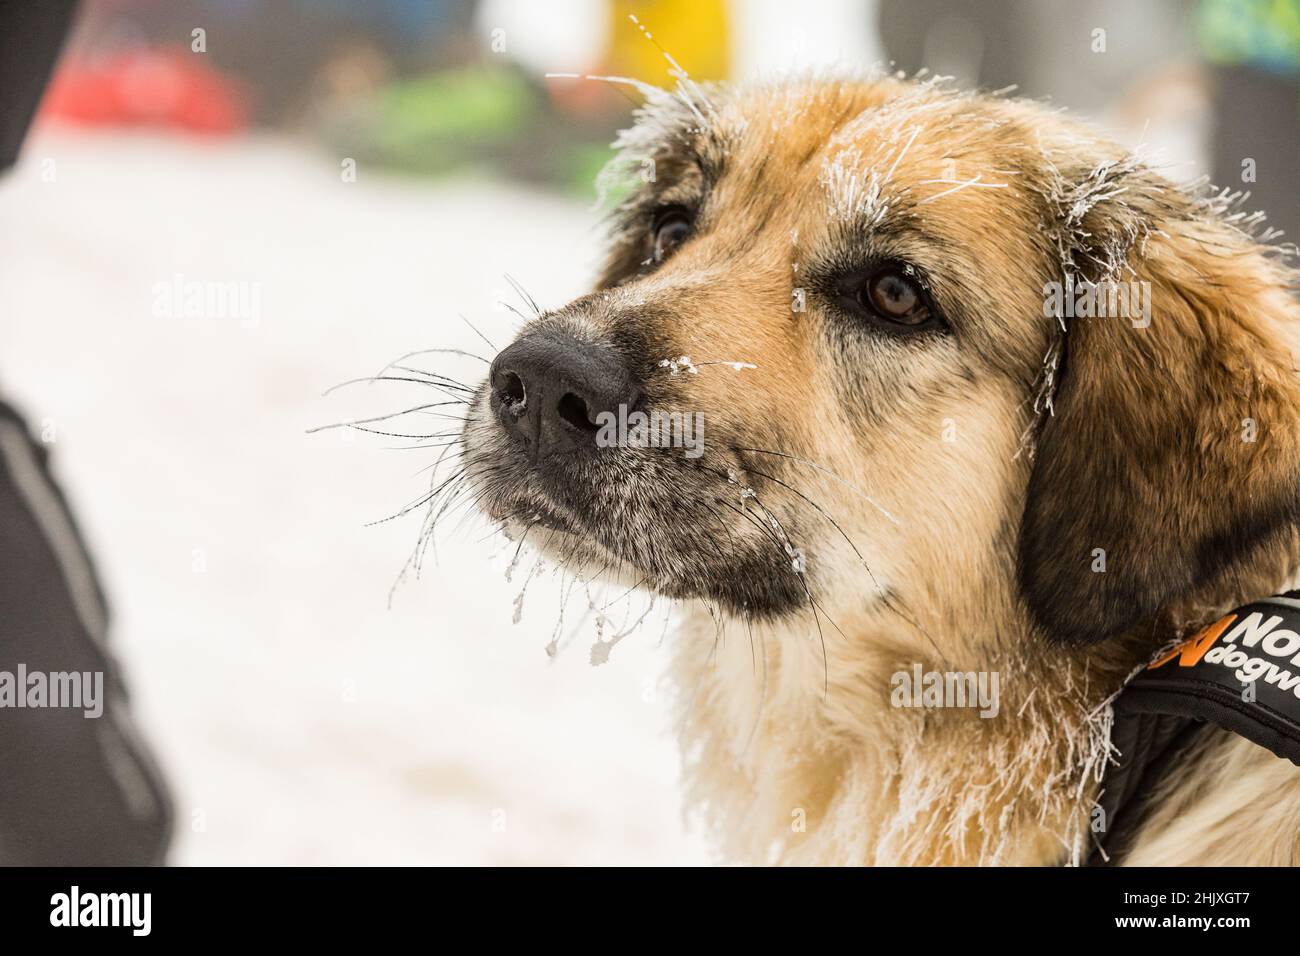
[511, 388]
[573, 410]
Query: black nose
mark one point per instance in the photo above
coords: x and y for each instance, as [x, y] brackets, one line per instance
[550, 389]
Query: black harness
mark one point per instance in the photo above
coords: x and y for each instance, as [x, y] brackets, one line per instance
[1241, 673]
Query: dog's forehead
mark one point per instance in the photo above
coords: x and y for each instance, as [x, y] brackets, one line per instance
[867, 149]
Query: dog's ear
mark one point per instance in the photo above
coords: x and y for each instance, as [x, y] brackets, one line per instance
[1172, 456]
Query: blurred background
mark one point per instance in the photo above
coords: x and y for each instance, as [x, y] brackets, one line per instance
[227, 207]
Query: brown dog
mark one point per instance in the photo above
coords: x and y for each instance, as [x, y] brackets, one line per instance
[913, 461]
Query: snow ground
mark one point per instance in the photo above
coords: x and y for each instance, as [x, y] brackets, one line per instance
[301, 721]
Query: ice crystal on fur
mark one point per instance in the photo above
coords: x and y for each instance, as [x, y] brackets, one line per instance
[1082, 253]
[745, 492]
[852, 193]
[661, 120]
[676, 365]
[684, 363]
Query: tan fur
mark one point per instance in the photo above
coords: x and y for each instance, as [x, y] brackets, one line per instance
[793, 752]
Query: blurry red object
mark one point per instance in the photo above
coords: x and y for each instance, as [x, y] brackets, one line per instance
[155, 88]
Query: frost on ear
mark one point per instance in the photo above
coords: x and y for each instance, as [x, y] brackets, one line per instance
[1101, 216]
[665, 116]
[1084, 249]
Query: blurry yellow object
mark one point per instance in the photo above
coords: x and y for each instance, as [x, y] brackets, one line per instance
[693, 32]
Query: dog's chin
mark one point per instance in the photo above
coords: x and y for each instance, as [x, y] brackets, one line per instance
[561, 541]
[685, 557]
[558, 542]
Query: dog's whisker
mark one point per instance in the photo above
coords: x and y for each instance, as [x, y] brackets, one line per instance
[636, 625]
[415, 504]
[560, 646]
[456, 501]
[820, 510]
[408, 355]
[479, 333]
[884, 596]
[789, 549]
[963, 184]
[523, 590]
[390, 378]
[442, 456]
[444, 380]
[376, 431]
[412, 560]
[448, 416]
[428, 541]
[822, 468]
[509, 307]
[421, 446]
[378, 418]
[762, 693]
[724, 525]
[639, 583]
[523, 294]
[783, 545]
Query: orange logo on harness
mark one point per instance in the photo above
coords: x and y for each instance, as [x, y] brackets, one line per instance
[1193, 649]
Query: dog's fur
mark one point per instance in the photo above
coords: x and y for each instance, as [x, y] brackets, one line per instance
[948, 492]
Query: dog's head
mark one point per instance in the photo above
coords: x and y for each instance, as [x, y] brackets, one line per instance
[861, 323]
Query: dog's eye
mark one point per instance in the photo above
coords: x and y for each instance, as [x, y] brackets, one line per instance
[671, 230]
[895, 297]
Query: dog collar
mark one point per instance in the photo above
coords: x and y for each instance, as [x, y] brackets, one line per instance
[1241, 673]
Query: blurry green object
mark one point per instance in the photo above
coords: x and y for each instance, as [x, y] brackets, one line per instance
[1260, 33]
[440, 121]
[486, 119]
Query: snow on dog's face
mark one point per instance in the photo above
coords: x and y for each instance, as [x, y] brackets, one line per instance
[813, 369]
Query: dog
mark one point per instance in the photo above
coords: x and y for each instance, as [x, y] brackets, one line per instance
[925, 451]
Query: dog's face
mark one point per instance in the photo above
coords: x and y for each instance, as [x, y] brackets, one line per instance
[845, 285]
